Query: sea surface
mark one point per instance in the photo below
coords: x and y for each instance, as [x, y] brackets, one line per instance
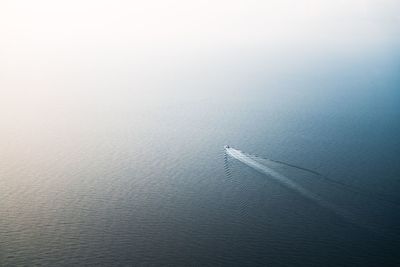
[113, 173]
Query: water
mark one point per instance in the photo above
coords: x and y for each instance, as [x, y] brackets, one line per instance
[109, 176]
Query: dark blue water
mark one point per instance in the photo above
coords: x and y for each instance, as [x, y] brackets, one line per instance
[98, 179]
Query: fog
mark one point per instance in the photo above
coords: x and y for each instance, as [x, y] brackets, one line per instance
[63, 54]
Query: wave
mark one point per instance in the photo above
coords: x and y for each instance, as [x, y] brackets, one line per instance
[289, 183]
[376, 196]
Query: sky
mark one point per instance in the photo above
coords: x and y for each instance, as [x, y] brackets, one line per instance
[52, 50]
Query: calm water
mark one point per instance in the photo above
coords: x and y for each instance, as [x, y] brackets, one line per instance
[93, 176]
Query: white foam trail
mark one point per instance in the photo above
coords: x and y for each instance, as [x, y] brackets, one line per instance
[246, 159]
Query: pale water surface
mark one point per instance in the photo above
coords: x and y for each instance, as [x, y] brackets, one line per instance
[105, 176]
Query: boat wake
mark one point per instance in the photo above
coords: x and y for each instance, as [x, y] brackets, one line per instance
[256, 164]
